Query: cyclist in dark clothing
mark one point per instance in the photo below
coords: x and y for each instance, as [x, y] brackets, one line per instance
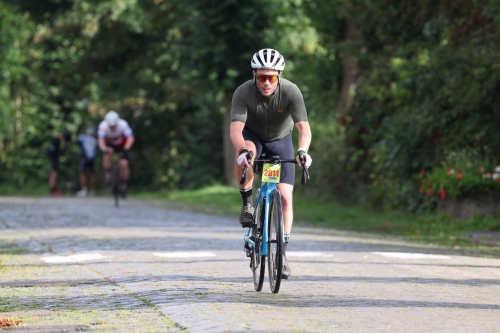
[54, 151]
[88, 147]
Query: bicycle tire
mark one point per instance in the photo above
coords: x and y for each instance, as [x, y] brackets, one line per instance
[115, 183]
[258, 262]
[275, 242]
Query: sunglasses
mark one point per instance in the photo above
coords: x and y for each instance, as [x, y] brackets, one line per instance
[262, 78]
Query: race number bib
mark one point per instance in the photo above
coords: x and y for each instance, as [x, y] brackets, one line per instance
[271, 173]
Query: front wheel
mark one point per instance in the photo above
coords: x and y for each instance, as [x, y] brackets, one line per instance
[275, 242]
[258, 263]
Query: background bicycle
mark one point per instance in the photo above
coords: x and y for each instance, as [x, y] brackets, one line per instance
[115, 177]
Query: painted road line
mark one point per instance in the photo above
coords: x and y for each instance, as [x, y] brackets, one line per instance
[184, 254]
[403, 255]
[74, 258]
[306, 254]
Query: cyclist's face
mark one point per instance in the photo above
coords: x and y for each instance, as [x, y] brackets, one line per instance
[266, 88]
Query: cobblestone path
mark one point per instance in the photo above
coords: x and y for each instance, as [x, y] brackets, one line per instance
[82, 264]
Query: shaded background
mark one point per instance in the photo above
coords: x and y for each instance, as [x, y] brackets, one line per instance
[391, 87]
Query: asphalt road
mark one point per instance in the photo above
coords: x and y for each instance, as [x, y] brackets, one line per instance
[82, 264]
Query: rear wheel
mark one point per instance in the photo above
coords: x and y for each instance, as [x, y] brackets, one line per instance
[258, 262]
[115, 183]
[275, 243]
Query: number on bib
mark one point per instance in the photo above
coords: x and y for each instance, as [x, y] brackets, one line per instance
[271, 173]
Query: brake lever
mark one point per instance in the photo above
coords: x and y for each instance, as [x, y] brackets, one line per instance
[305, 172]
[244, 174]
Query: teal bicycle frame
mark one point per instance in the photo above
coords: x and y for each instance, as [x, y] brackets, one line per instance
[265, 190]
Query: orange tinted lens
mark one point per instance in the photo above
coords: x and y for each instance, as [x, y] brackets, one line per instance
[263, 78]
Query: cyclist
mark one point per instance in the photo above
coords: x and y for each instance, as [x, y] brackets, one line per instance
[115, 135]
[88, 146]
[54, 151]
[263, 113]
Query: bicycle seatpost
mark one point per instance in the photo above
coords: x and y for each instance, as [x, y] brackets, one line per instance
[244, 174]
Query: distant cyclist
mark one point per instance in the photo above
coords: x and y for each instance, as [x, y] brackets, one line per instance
[263, 113]
[54, 151]
[115, 135]
[88, 146]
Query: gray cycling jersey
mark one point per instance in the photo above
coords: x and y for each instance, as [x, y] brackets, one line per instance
[273, 117]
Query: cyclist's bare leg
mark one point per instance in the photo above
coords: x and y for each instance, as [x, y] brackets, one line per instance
[106, 163]
[92, 181]
[287, 205]
[124, 169]
[83, 180]
[53, 179]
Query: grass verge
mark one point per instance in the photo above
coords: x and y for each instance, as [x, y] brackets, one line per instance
[11, 248]
[30, 189]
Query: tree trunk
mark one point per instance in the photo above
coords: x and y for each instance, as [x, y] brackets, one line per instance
[229, 155]
[350, 77]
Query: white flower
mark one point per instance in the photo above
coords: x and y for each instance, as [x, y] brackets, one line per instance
[495, 175]
[497, 169]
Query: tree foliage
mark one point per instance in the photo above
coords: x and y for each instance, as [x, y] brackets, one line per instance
[421, 84]
[429, 76]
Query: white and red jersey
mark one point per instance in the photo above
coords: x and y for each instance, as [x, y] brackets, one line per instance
[118, 136]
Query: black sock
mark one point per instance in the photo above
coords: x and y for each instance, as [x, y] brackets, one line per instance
[246, 195]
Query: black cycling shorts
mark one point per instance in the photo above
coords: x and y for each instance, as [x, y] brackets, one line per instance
[54, 161]
[85, 165]
[282, 147]
[119, 149]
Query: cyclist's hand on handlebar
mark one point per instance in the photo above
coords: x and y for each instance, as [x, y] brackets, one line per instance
[303, 158]
[243, 160]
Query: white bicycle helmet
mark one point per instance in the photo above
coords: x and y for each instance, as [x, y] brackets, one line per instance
[268, 59]
[112, 118]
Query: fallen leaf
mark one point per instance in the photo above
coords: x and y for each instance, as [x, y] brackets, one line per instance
[9, 322]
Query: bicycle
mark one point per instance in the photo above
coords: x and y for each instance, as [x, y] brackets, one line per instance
[115, 176]
[268, 227]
